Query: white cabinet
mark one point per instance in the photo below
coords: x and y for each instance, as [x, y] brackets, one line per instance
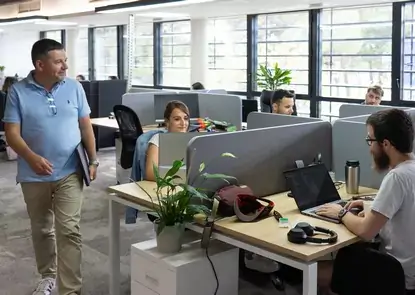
[185, 273]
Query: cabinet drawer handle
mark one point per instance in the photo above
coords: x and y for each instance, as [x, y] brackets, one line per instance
[153, 280]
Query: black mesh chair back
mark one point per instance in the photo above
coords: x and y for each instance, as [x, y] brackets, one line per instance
[130, 129]
[360, 270]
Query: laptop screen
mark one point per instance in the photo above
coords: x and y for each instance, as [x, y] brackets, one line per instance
[311, 186]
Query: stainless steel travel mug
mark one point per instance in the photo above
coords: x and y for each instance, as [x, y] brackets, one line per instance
[352, 174]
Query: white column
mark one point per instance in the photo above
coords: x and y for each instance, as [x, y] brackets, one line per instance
[71, 51]
[199, 54]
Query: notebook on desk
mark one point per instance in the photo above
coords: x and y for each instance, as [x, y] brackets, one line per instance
[312, 187]
[83, 160]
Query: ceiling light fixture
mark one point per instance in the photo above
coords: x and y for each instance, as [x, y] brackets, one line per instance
[21, 20]
[55, 23]
[161, 14]
[145, 5]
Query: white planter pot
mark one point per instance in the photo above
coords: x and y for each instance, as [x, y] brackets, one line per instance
[170, 239]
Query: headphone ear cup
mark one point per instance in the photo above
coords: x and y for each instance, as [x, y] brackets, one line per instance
[297, 236]
[306, 227]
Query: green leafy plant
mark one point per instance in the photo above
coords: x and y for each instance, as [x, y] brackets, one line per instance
[173, 203]
[2, 68]
[272, 79]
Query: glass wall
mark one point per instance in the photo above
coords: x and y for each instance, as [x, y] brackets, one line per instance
[142, 67]
[176, 52]
[227, 53]
[82, 59]
[356, 53]
[105, 52]
[283, 39]
[54, 35]
[352, 49]
[408, 80]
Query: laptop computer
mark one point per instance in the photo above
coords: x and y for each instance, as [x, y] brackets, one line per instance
[312, 187]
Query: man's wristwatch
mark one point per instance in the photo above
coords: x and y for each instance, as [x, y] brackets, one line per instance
[341, 214]
[94, 163]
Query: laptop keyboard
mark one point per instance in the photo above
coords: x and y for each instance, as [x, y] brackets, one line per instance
[341, 203]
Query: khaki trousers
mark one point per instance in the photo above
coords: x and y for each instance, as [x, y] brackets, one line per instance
[57, 205]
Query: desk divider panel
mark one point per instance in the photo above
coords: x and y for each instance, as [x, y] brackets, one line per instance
[146, 90]
[143, 105]
[349, 144]
[354, 110]
[221, 107]
[262, 155]
[173, 146]
[262, 120]
[357, 119]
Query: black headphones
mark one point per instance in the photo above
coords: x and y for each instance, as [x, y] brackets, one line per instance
[304, 232]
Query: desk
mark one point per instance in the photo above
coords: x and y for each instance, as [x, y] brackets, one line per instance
[112, 124]
[264, 237]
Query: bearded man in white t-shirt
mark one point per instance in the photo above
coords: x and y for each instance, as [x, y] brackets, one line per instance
[392, 214]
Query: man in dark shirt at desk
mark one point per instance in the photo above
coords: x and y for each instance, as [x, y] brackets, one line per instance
[392, 213]
[282, 102]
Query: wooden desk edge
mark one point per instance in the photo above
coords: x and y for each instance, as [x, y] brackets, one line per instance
[247, 239]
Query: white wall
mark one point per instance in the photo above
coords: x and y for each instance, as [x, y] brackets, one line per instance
[15, 50]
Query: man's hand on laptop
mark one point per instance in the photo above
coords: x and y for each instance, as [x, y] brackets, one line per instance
[329, 210]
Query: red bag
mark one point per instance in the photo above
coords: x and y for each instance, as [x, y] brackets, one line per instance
[227, 196]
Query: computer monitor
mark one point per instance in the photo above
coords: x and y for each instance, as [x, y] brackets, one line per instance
[248, 106]
[189, 99]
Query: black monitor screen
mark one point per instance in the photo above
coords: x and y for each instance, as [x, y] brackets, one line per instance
[248, 106]
[311, 186]
[189, 99]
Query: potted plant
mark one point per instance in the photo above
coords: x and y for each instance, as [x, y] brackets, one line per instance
[270, 80]
[2, 68]
[175, 205]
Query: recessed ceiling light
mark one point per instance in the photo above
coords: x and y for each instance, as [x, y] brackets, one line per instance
[136, 6]
[161, 14]
[22, 20]
[55, 23]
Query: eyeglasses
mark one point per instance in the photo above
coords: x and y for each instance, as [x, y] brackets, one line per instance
[369, 140]
[52, 106]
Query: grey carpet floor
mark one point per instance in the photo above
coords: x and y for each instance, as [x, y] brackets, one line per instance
[17, 264]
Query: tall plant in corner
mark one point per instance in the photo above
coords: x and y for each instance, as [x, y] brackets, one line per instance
[271, 79]
[175, 204]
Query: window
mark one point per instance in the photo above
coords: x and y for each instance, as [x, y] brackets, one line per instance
[82, 66]
[356, 50]
[105, 52]
[303, 107]
[409, 52]
[283, 38]
[142, 60]
[54, 35]
[176, 52]
[227, 53]
[329, 110]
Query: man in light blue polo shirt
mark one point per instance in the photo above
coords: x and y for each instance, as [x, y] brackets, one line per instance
[46, 117]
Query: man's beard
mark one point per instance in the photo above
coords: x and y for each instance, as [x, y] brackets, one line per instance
[381, 160]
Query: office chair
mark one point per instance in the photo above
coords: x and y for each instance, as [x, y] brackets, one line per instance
[130, 129]
[360, 270]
